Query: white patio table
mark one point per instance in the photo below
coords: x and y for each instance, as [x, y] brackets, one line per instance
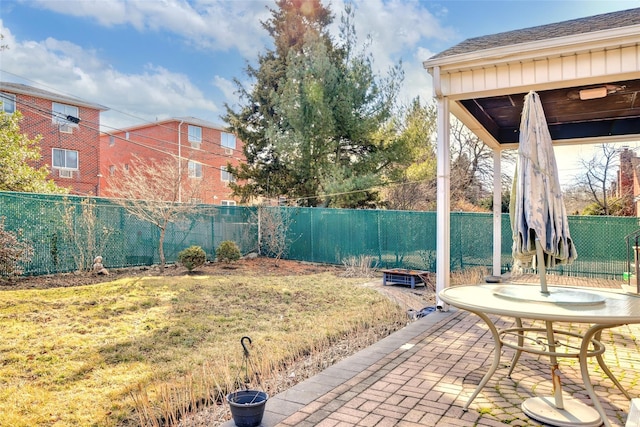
[598, 309]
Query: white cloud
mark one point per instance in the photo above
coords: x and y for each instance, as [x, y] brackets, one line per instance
[107, 13]
[228, 89]
[394, 25]
[68, 69]
[208, 24]
[399, 29]
[417, 82]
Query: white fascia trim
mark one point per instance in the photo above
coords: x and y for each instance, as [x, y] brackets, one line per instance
[560, 46]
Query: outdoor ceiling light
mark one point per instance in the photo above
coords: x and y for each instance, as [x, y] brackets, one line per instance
[593, 93]
[599, 92]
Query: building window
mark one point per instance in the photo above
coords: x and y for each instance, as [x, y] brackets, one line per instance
[8, 102]
[225, 176]
[112, 140]
[112, 170]
[195, 136]
[195, 201]
[228, 202]
[126, 136]
[195, 169]
[64, 159]
[65, 116]
[228, 140]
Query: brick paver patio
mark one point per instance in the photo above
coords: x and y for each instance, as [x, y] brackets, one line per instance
[423, 374]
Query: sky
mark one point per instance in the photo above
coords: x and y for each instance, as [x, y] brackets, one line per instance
[148, 60]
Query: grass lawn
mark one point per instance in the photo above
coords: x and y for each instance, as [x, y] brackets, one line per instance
[83, 356]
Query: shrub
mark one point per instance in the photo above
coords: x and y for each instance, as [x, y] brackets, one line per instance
[274, 225]
[360, 266]
[228, 252]
[192, 257]
[12, 252]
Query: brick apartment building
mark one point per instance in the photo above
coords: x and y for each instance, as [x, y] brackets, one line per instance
[205, 146]
[70, 130]
[628, 181]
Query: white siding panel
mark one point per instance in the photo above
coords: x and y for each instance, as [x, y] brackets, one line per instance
[502, 75]
[467, 81]
[491, 78]
[555, 69]
[630, 59]
[613, 61]
[479, 82]
[598, 63]
[515, 72]
[454, 83]
[541, 71]
[528, 73]
[580, 68]
[569, 67]
[583, 65]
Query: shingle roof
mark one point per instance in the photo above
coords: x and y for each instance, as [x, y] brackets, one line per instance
[199, 122]
[45, 94]
[187, 120]
[606, 21]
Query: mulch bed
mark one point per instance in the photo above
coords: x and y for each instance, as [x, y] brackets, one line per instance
[249, 266]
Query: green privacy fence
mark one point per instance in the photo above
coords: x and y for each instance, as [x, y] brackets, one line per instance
[405, 239]
[63, 238]
[67, 232]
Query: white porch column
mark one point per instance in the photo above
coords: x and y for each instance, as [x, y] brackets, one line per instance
[443, 240]
[497, 212]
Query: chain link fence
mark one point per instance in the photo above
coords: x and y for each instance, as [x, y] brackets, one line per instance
[67, 232]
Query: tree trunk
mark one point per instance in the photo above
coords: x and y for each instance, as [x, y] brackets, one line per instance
[161, 249]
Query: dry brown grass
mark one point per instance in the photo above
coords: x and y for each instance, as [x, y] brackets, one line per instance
[90, 355]
[470, 276]
[359, 266]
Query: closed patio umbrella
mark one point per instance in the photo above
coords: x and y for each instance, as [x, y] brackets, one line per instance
[541, 240]
[538, 216]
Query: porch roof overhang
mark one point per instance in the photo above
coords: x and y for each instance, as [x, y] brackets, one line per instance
[588, 82]
[586, 72]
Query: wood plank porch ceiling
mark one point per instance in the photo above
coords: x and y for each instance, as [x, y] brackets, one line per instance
[567, 115]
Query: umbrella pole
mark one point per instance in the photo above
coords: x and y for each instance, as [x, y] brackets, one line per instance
[542, 269]
[555, 370]
[551, 341]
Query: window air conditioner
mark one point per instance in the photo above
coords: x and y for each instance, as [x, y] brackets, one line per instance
[64, 128]
[65, 173]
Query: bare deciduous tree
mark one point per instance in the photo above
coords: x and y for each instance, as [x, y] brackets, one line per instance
[599, 174]
[273, 235]
[87, 234]
[13, 251]
[471, 164]
[576, 199]
[151, 191]
[413, 195]
[472, 167]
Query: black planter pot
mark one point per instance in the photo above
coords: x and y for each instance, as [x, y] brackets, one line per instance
[247, 407]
